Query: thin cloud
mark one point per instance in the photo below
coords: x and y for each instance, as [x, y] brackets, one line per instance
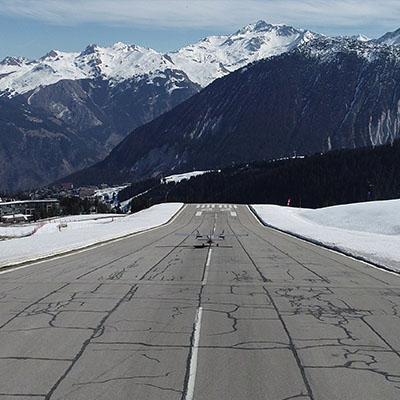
[208, 13]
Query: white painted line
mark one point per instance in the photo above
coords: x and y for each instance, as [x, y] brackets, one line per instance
[203, 205]
[233, 214]
[22, 267]
[198, 206]
[204, 282]
[195, 352]
[235, 206]
[230, 206]
[321, 247]
[208, 258]
[213, 206]
[199, 213]
[220, 206]
[88, 247]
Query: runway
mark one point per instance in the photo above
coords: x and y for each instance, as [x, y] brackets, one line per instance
[260, 316]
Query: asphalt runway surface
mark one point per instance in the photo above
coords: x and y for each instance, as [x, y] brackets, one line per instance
[262, 316]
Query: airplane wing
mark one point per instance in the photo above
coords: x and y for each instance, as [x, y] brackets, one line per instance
[223, 235]
[196, 234]
[201, 236]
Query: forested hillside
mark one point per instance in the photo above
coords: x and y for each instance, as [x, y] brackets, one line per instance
[337, 177]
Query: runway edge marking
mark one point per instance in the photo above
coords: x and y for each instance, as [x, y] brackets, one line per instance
[55, 256]
[316, 243]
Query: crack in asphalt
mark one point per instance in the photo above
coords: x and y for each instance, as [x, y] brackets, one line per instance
[321, 303]
[310, 249]
[135, 251]
[32, 304]
[99, 328]
[292, 348]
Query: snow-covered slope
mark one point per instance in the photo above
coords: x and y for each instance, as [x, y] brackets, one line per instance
[390, 38]
[361, 38]
[61, 235]
[367, 230]
[181, 177]
[327, 50]
[116, 63]
[203, 62]
[216, 56]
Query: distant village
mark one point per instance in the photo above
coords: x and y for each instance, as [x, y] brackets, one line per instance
[64, 199]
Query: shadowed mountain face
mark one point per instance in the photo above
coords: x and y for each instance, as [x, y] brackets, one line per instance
[93, 99]
[329, 95]
[71, 125]
[66, 111]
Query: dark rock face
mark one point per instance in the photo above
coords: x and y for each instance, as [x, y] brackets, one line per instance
[331, 95]
[61, 128]
[33, 146]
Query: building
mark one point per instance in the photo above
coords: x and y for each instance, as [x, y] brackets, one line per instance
[12, 219]
[36, 208]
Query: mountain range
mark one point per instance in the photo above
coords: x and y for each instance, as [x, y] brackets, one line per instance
[66, 111]
[324, 95]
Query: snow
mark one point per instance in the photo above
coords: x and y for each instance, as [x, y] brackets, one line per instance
[390, 38]
[180, 177]
[202, 62]
[70, 233]
[362, 38]
[215, 56]
[116, 63]
[370, 231]
[108, 193]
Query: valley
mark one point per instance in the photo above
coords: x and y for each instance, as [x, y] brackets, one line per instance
[66, 111]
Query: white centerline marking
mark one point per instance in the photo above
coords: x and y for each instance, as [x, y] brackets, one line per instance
[233, 214]
[196, 341]
[195, 351]
[207, 265]
[198, 214]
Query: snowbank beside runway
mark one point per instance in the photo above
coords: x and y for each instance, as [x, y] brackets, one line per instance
[370, 231]
[61, 235]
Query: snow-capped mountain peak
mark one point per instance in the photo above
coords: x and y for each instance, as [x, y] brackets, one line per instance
[116, 63]
[215, 56]
[361, 38]
[259, 26]
[202, 62]
[51, 55]
[91, 49]
[14, 61]
[390, 38]
[328, 50]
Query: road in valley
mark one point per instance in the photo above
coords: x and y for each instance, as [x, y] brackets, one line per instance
[263, 316]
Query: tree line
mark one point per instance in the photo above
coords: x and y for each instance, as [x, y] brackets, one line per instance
[337, 177]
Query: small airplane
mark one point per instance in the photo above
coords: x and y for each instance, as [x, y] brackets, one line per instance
[210, 238]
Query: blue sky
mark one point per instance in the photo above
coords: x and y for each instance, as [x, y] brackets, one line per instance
[31, 28]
